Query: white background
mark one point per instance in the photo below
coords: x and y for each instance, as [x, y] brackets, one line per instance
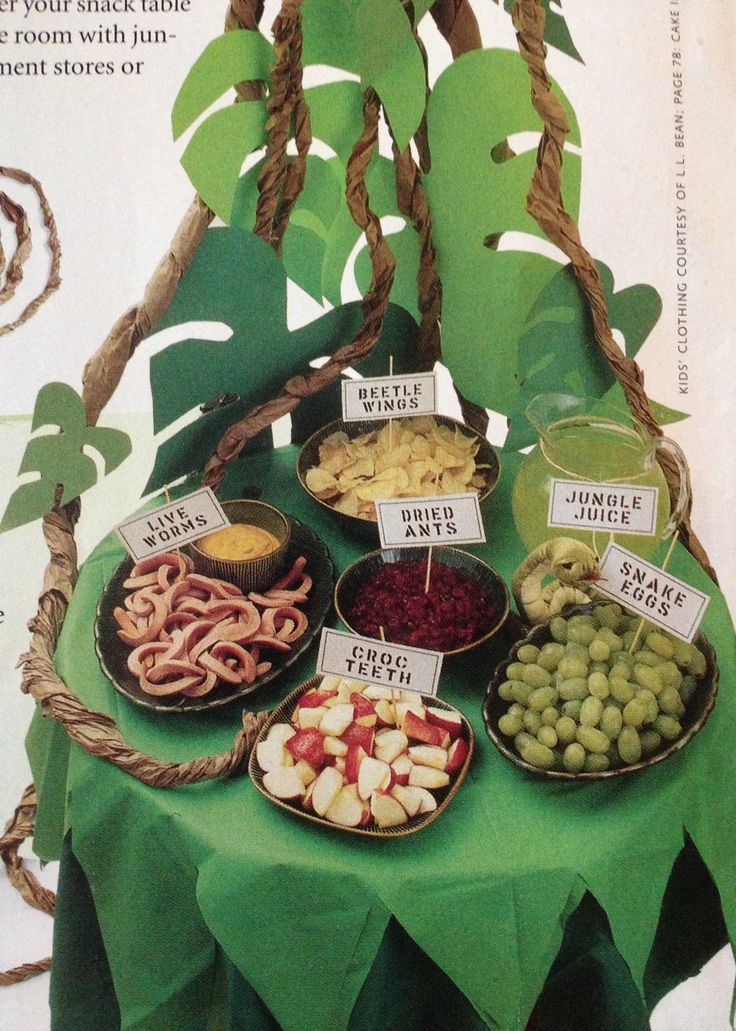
[102, 149]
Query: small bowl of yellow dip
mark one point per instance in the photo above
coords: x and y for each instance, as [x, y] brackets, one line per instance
[250, 552]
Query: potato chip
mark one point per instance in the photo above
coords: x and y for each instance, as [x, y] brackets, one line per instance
[321, 482]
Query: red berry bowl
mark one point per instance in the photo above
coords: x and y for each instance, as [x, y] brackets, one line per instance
[384, 592]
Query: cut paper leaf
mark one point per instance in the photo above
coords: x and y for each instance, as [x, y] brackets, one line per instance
[558, 352]
[59, 457]
[237, 56]
[486, 288]
[556, 32]
[237, 279]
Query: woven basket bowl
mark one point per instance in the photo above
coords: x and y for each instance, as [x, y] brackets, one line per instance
[696, 713]
[367, 529]
[352, 579]
[253, 574]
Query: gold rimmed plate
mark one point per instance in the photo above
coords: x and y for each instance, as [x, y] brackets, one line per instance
[444, 796]
[113, 653]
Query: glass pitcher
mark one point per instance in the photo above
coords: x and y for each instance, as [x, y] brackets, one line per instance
[582, 440]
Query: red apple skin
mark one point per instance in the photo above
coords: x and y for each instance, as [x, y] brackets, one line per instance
[353, 758]
[457, 755]
[401, 778]
[445, 720]
[362, 706]
[358, 735]
[308, 744]
[417, 728]
[313, 699]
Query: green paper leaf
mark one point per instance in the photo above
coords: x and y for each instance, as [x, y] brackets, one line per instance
[59, 457]
[237, 56]
[476, 193]
[328, 28]
[217, 150]
[558, 352]
[237, 279]
[556, 32]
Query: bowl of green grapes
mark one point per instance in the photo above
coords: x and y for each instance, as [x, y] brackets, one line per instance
[592, 694]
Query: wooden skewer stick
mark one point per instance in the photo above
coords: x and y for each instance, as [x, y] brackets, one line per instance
[182, 566]
[390, 421]
[429, 569]
[664, 565]
[381, 634]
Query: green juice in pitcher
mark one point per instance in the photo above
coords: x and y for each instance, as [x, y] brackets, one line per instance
[590, 450]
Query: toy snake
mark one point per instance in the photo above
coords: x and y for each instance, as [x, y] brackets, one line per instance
[574, 567]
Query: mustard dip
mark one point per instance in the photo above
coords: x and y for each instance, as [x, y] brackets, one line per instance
[239, 541]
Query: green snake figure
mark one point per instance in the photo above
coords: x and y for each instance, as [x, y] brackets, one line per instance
[574, 567]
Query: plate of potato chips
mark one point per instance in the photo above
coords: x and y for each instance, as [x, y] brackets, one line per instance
[347, 467]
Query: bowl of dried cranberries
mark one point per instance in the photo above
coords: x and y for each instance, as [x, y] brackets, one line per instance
[385, 595]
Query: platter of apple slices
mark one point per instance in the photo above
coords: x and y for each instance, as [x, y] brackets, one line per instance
[362, 758]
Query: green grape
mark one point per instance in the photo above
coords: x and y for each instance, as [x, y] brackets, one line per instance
[558, 629]
[547, 736]
[527, 653]
[515, 671]
[573, 758]
[573, 650]
[621, 690]
[647, 677]
[520, 691]
[670, 674]
[649, 701]
[647, 658]
[550, 716]
[506, 691]
[581, 619]
[538, 754]
[614, 642]
[566, 727]
[532, 721]
[599, 650]
[596, 763]
[608, 615]
[517, 710]
[629, 745]
[598, 667]
[668, 727]
[550, 655]
[621, 670]
[681, 653]
[535, 676]
[670, 702]
[622, 660]
[522, 739]
[697, 665]
[590, 711]
[611, 721]
[510, 725]
[635, 713]
[574, 687]
[541, 697]
[591, 739]
[572, 667]
[660, 644]
[687, 688]
[650, 742]
[581, 634]
[572, 708]
[598, 685]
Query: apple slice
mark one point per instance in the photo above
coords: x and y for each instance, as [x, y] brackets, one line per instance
[428, 755]
[402, 768]
[337, 719]
[339, 764]
[353, 758]
[427, 777]
[445, 719]
[347, 808]
[307, 800]
[373, 775]
[402, 708]
[329, 684]
[284, 782]
[312, 699]
[457, 755]
[357, 735]
[334, 746]
[305, 771]
[280, 732]
[386, 713]
[407, 798]
[363, 710]
[326, 789]
[427, 803]
[309, 717]
[271, 754]
[376, 692]
[416, 727]
[307, 744]
[389, 744]
[387, 812]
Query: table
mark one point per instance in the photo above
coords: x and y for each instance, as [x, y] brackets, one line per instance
[206, 907]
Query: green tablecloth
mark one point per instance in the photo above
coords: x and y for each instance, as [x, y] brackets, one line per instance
[302, 914]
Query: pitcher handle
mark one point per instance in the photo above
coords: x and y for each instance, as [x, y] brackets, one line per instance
[684, 492]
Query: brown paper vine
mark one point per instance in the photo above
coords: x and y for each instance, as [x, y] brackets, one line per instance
[544, 203]
[12, 271]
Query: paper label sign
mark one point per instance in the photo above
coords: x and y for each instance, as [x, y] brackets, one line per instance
[615, 507]
[378, 662]
[648, 590]
[417, 522]
[172, 525]
[385, 396]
